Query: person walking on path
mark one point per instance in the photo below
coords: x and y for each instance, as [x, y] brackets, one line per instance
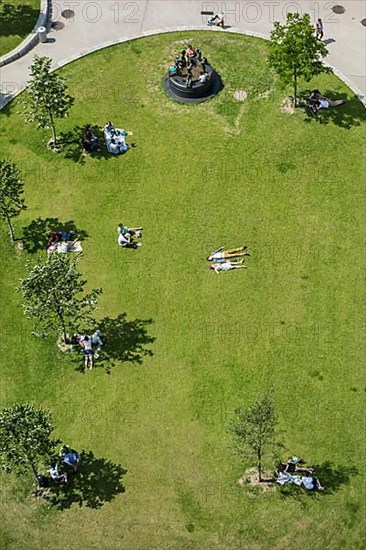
[319, 29]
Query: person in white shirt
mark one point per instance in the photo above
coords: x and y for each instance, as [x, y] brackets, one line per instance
[125, 241]
[203, 77]
[228, 266]
[60, 477]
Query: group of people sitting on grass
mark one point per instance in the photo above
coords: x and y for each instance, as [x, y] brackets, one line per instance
[115, 139]
[61, 468]
[227, 260]
[286, 473]
[88, 343]
[63, 242]
[318, 101]
[127, 236]
[190, 64]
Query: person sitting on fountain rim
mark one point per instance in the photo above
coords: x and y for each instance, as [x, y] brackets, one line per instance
[190, 52]
[203, 77]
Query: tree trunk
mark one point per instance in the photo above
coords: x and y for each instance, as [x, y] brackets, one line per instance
[295, 88]
[34, 470]
[11, 230]
[54, 135]
[259, 457]
[62, 321]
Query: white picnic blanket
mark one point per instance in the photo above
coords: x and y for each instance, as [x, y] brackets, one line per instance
[65, 247]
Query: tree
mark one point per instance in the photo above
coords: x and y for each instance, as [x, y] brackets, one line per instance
[254, 428]
[52, 295]
[25, 438]
[294, 51]
[11, 191]
[47, 97]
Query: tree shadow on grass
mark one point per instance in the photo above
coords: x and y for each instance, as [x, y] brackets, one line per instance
[331, 477]
[35, 235]
[345, 116]
[17, 20]
[124, 342]
[96, 482]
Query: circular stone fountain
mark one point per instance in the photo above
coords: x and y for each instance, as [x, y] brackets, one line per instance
[176, 85]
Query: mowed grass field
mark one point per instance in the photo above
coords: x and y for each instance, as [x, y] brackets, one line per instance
[202, 176]
[17, 20]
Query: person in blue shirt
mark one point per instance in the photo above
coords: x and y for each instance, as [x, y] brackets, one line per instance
[70, 457]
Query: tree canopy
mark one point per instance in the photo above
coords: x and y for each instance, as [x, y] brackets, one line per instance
[253, 429]
[295, 51]
[25, 438]
[53, 295]
[11, 193]
[47, 96]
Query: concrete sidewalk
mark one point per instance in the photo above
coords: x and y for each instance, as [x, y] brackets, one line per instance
[92, 25]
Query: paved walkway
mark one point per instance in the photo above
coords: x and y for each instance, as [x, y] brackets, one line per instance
[99, 23]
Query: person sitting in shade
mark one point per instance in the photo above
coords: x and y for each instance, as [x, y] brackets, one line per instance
[220, 255]
[97, 341]
[70, 457]
[310, 483]
[90, 141]
[60, 477]
[228, 266]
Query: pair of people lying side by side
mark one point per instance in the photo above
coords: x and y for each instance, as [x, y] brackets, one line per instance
[287, 474]
[226, 260]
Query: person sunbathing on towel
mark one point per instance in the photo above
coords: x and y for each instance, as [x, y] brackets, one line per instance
[220, 255]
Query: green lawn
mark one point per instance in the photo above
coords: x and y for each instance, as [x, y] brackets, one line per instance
[218, 173]
[17, 19]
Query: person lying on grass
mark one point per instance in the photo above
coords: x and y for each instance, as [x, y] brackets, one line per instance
[311, 483]
[318, 101]
[221, 255]
[292, 466]
[228, 266]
